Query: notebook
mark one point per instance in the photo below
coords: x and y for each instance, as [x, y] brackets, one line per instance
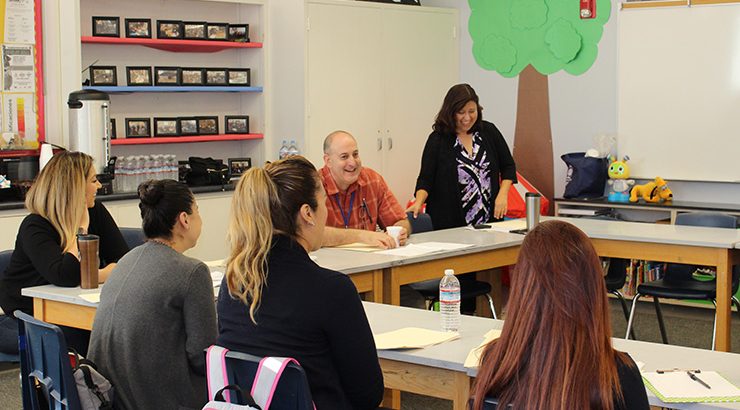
[678, 387]
[412, 338]
[473, 359]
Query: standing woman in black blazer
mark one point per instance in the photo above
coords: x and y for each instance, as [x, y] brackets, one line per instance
[61, 203]
[466, 168]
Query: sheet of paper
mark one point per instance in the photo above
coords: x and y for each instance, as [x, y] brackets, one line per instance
[417, 249]
[412, 338]
[508, 226]
[473, 359]
[217, 276]
[678, 387]
[91, 297]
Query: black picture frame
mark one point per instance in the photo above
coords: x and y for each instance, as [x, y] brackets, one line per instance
[192, 76]
[138, 128]
[167, 76]
[166, 127]
[207, 125]
[139, 76]
[106, 26]
[103, 75]
[216, 76]
[239, 33]
[236, 124]
[194, 30]
[217, 31]
[138, 28]
[239, 77]
[187, 125]
[169, 29]
[113, 134]
[238, 166]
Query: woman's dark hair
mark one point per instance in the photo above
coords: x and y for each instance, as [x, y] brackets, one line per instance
[161, 203]
[454, 101]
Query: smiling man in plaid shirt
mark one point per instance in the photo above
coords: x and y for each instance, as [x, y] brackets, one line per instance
[358, 199]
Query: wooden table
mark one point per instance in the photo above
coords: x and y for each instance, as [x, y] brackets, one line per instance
[673, 208]
[715, 247]
[438, 371]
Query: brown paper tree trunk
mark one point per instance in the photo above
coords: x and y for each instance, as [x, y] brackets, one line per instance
[533, 136]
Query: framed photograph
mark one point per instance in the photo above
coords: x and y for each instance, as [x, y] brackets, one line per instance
[138, 128]
[106, 26]
[192, 76]
[103, 75]
[238, 166]
[166, 75]
[239, 32]
[218, 31]
[169, 29]
[236, 124]
[216, 76]
[138, 76]
[138, 28]
[239, 76]
[112, 128]
[188, 126]
[194, 30]
[166, 127]
[207, 125]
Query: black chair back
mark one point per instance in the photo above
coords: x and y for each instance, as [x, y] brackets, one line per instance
[5, 259]
[133, 236]
[422, 222]
[44, 360]
[292, 392]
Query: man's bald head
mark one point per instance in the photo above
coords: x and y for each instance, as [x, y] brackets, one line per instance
[329, 140]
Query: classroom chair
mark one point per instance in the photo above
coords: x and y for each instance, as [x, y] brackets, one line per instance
[679, 281]
[292, 391]
[4, 262]
[133, 236]
[489, 403]
[45, 364]
[614, 280]
[469, 288]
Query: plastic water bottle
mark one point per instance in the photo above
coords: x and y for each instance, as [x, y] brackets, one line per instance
[283, 153]
[293, 149]
[449, 301]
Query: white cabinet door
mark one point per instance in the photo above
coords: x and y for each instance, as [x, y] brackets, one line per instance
[379, 72]
[421, 62]
[344, 84]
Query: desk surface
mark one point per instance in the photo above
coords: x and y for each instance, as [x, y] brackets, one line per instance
[657, 233]
[687, 205]
[451, 355]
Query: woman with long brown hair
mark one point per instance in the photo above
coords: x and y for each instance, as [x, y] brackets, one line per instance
[555, 349]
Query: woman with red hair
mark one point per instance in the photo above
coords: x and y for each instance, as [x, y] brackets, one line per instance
[555, 349]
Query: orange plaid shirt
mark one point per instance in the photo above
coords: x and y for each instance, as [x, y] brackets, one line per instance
[373, 203]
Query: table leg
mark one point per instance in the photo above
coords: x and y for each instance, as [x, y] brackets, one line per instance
[391, 399]
[391, 287]
[724, 307]
[492, 276]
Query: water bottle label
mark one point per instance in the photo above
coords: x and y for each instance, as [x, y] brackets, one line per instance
[449, 295]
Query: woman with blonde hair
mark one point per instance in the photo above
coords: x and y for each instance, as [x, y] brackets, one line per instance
[62, 204]
[275, 301]
[555, 349]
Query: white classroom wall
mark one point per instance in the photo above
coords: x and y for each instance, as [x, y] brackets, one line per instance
[581, 106]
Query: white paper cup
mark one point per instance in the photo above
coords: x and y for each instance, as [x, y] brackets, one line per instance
[395, 233]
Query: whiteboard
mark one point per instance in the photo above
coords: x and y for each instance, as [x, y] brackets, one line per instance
[679, 92]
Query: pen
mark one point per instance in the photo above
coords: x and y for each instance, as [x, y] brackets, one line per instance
[697, 379]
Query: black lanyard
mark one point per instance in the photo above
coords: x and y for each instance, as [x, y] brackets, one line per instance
[349, 211]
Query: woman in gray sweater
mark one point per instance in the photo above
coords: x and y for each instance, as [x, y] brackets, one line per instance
[156, 312]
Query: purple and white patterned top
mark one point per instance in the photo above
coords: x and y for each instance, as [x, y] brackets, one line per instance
[474, 179]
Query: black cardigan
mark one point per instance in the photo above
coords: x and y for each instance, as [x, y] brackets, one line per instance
[38, 258]
[438, 174]
[315, 316]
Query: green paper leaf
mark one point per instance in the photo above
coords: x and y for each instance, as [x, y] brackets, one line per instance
[527, 14]
[563, 41]
[496, 53]
[583, 61]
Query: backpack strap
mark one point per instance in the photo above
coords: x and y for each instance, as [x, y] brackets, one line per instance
[216, 371]
[265, 381]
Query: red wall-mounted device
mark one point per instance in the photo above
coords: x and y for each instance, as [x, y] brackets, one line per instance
[588, 9]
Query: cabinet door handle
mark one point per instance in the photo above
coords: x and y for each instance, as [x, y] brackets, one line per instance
[390, 143]
[380, 144]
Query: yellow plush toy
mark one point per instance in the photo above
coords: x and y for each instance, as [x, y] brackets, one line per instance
[655, 191]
